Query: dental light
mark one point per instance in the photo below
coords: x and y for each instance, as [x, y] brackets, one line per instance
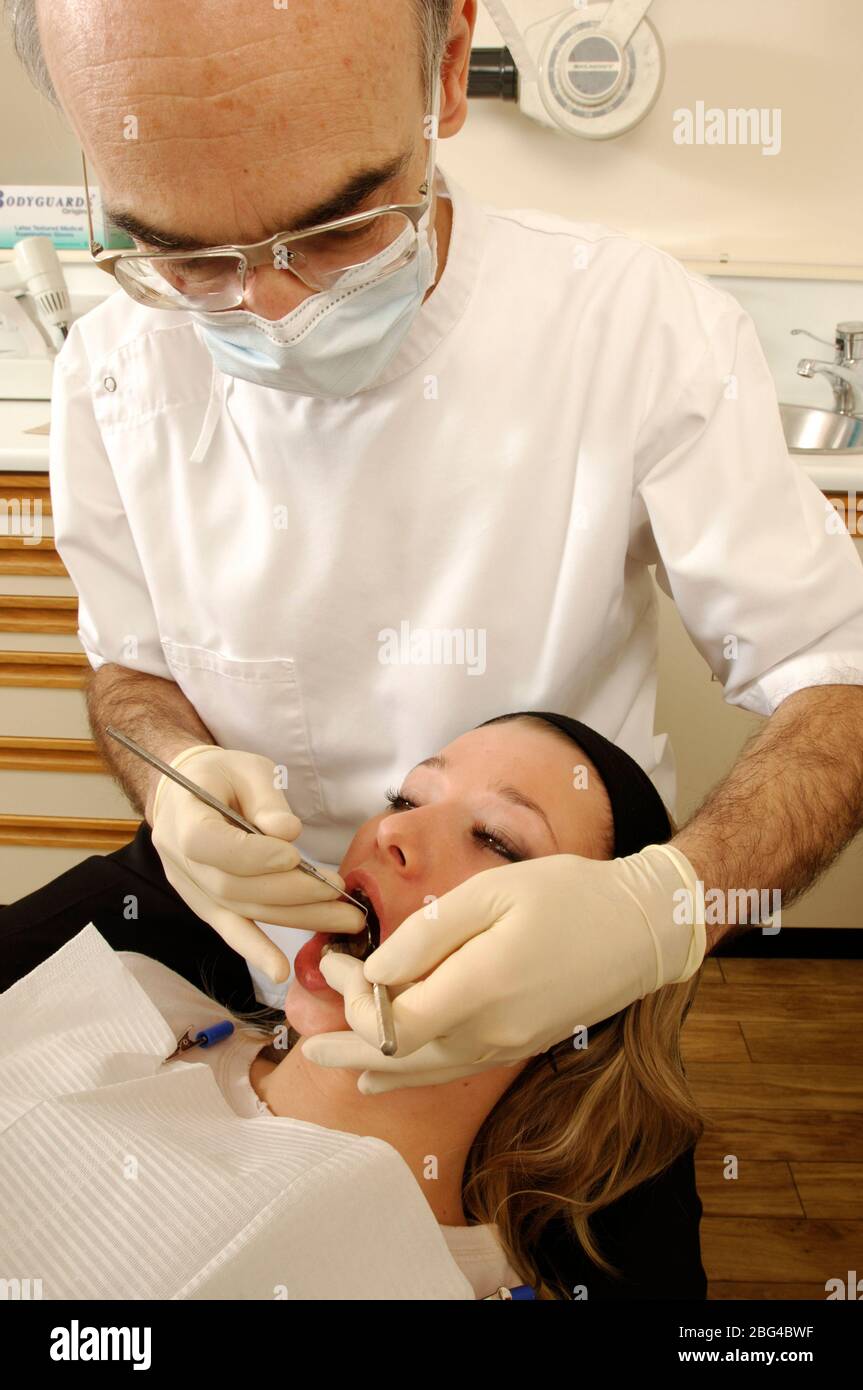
[591, 69]
[35, 269]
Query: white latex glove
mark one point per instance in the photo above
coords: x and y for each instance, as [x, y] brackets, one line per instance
[520, 955]
[227, 876]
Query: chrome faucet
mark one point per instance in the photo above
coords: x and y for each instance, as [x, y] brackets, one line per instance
[845, 372]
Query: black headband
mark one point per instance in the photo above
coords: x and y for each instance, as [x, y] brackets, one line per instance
[640, 817]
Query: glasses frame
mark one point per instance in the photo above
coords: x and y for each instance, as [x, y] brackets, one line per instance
[258, 253]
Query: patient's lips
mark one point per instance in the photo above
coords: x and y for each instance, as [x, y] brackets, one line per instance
[360, 884]
[307, 964]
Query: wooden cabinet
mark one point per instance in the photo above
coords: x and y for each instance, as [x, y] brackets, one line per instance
[58, 803]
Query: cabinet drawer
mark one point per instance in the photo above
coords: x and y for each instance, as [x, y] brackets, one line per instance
[68, 794]
[46, 712]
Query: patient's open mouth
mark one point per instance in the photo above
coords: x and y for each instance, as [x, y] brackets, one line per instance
[363, 943]
[307, 964]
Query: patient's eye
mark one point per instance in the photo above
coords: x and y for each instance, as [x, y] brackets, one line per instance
[491, 839]
[397, 801]
[482, 835]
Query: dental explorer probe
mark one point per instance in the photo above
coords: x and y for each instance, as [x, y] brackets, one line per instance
[383, 1005]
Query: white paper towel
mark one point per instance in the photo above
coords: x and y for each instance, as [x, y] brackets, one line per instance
[126, 1179]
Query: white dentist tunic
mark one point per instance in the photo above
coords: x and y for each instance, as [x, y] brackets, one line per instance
[347, 584]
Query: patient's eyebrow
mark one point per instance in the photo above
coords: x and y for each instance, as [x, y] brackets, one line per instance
[437, 760]
[519, 799]
[342, 203]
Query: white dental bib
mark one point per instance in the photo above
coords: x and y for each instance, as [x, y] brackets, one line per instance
[126, 1178]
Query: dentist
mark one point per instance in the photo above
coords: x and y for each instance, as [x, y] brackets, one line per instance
[335, 401]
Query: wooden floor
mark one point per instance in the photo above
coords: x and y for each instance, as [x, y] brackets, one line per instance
[773, 1058]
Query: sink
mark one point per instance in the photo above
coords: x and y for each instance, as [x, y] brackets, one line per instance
[812, 431]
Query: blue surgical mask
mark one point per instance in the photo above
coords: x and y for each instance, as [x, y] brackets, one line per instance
[336, 342]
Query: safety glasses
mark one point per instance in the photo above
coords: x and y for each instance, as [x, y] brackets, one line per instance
[364, 247]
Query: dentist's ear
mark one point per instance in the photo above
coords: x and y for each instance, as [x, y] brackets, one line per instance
[455, 69]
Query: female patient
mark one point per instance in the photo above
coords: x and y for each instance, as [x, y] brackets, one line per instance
[522, 1161]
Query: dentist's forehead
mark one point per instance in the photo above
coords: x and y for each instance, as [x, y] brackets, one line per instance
[228, 101]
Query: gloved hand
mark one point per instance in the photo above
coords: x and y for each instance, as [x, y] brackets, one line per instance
[520, 956]
[228, 876]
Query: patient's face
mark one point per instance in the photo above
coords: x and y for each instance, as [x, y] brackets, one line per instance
[454, 819]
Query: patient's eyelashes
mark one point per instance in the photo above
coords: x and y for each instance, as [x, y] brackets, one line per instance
[396, 800]
[483, 835]
[490, 839]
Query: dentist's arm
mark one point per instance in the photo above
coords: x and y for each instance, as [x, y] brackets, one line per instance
[227, 877]
[154, 712]
[522, 954]
[791, 803]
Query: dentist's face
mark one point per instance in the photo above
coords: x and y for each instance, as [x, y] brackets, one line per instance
[454, 818]
[224, 123]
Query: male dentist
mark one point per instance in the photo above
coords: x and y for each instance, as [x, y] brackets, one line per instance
[339, 417]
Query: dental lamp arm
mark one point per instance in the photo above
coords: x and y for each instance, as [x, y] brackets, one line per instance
[622, 18]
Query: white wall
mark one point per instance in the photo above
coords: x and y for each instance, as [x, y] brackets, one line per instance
[804, 204]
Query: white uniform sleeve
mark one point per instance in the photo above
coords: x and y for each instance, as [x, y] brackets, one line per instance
[769, 588]
[116, 621]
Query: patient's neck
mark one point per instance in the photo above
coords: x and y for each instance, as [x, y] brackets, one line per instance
[432, 1127]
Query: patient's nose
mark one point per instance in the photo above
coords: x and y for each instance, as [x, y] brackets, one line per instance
[414, 840]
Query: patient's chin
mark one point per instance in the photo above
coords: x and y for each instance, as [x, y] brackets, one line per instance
[314, 1012]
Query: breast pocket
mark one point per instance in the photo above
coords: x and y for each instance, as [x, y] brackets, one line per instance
[254, 706]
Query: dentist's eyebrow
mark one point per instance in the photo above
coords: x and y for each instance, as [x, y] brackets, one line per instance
[342, 203]
[512, 794]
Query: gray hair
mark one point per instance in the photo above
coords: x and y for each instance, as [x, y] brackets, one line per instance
[23, 25]
[433, 17]
[434, 20]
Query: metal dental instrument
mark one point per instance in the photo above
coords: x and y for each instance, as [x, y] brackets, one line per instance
[384, 1017]
[383, 1005]
[367, 942]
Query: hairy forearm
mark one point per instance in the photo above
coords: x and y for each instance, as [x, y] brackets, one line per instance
[792, 801]
[152, 711]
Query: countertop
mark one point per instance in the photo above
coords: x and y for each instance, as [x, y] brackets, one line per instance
[24, 432]
[24, 449]
[24, 436]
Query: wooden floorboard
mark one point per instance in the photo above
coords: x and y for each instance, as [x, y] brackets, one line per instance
[772, 1056]
[761, 1187]
[820, 1041]
[740, 970]
[722, 1289]
[782, 1002]
[714, 1040]
[830, 1189]
[815, 1136]
[775, 1249]
[777, 1086]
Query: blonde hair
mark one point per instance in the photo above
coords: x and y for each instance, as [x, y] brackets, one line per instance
[566, 1143]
